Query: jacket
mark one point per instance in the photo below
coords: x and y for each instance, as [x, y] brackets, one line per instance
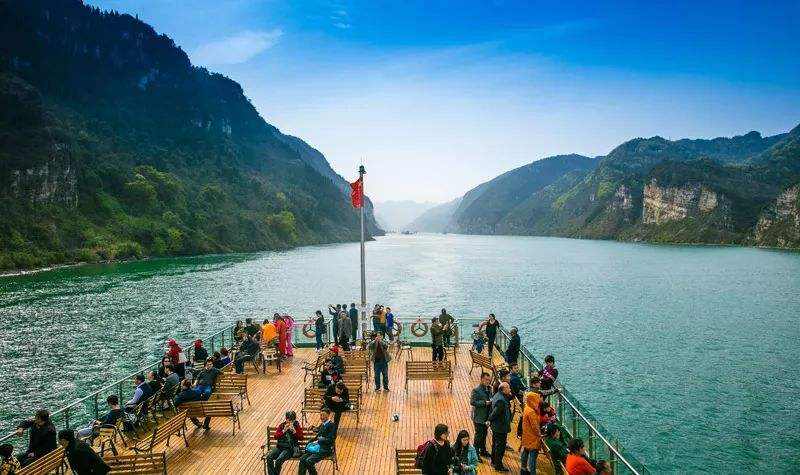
[578, 465]
[480, 411]
[42, 438]
[557, 449]
[345, 329]
[268, 332]
[437, 334]
[517, 385]
[512, 352]
[296, 437]
[444, 319]
[500, 417]
[468, 457]
[326, 436]
[200, 354]
[531, 430]
[436, 459]
[319, 325]
[386, 354]
[333, 405]
[188, 395]
[85, 461]
[353, 313]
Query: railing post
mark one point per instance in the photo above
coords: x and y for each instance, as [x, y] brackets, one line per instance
[212, 343]
[612, 460]
[574, 424]
[66, 417]
[96, 409]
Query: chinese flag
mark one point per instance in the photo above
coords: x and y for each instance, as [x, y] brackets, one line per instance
[357, 193]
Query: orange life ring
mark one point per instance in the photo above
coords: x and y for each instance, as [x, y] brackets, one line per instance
[415, 328]
[309, 331]
[396, 329]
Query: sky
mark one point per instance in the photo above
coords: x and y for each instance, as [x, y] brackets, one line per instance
[438, 97]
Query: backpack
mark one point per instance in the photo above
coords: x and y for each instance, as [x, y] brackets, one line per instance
[421, 449]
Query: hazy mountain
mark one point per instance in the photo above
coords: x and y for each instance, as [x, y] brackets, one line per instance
[396, 215]
[436, 219]
[113, 145]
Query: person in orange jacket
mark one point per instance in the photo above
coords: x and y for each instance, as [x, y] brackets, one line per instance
[531, 433]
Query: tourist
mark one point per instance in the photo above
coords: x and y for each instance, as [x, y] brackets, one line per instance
[481, 402]
[437, 455]
[516, 382]
[288, 436]
[345, 331]
[82, 459]
[337, 399]
[500, 421]
[225, 356]
[353, 313]
[535, 385]
[390, 323]
[289, 320]
[200, 352]
[478, 340]
[325, 439]
[153, 382]
[142, 391]
[512, 351]
[42, 437]
[334, 313]
[171, 379]
[190, 394]
[238, 330]
[577, 461]
[247, 351]
[250, 327]
[376, 318]
[465, 455]
[319, 330]
[549, 373]
[604, 468]
[382, 320]
[558, 451]
[283, 333]
[217, 359]
[329, 375]
[9, 464]
[115, 413]
[503, 376]
[336, 360]
[380, 357]
[437, 340]
[447, 323]
[491, 325]
[269, 334]
[531, 434]
[206, 379]
[547, 414]
[177, 358]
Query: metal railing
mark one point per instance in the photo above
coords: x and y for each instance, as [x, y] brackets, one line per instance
[572, 416]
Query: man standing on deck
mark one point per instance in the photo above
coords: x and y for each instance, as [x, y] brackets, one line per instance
[344, 331]
[354, 320]
[481, 402]
[380, 357]
[334, 312]
[512, 352]
[437, 340]
[447, 325]
[500, 422]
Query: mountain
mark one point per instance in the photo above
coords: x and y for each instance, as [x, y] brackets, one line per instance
[436, 219]
[396, 215]
[739, 190]
[112, 145]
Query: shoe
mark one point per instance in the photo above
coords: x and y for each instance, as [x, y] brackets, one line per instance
[386, 389]
[377, 390]
[196, 424]
[205, 426]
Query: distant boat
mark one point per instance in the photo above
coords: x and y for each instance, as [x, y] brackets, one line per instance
[407, 232]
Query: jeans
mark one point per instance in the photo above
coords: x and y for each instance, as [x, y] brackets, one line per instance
[480, 438]
[205, 391]
[389, 330]
[275, 459]
[438, 352]
[354, 322]
[499, 442]
[239, 363]
[381, 368]
[376, 327]
[307, 462]
[527, 460]
[196, 422]
[320, 343]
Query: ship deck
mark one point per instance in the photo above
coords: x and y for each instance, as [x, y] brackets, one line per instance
[364, 449]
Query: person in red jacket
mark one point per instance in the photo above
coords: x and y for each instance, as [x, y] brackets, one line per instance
[288, 436]
[577, 461]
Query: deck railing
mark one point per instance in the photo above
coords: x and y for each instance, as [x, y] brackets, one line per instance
[575, 419]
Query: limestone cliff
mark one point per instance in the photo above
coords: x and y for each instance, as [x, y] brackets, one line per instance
[665, 204]
[53, 182]
[779, 225]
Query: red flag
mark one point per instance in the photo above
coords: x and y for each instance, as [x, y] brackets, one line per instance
[357, 192]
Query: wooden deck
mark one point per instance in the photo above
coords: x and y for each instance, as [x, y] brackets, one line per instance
[366, 449]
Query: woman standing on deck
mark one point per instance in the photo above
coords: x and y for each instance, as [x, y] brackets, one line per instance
[289, 325]
[280, 325]
[176, 357]
[491, 331]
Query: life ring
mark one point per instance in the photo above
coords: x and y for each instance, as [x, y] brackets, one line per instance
[309, 331]
[396, 329]
[415, 328]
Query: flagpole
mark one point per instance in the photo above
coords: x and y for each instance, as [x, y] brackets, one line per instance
[361, 173]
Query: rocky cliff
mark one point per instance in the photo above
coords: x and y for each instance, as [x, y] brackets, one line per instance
[664, 204]
[779, 224]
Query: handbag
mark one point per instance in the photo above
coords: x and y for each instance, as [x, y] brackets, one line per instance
[313, 447]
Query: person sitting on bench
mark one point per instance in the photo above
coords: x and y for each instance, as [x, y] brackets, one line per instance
[337, 400]
[328, 376]
[190, 394]
[114, 414]
[247, 352]
[42, 439]
[337, 360]
[143, 391]
[326, 437]
[82, 459]
[288, 436]
[206, 378]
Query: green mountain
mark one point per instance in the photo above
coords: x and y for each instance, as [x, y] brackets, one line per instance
[112, 145]
[739, 190]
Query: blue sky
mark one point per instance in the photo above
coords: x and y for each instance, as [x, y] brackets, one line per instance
[438, 97]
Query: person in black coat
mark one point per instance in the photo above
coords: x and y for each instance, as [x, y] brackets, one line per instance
[42, 439]
[337, 399]
[512, 352]
[437, 456]
[326, 438]
[82, 459]
[500, 422]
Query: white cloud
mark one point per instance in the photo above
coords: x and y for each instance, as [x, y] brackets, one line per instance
[342, 25]
[236, 49]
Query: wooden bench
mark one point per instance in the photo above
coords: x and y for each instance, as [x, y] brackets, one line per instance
[107, 435]
[405, 346]
[351, 380]
[404, 460]
[314, 367]
[308, 436]
[314, 399]
[231, 384]
[451, 354]
[429, 371]
[357, 363]
[138, 464]
[484, 363]
[198, 409]
[50, 462]
[174, 426]
[269, 354]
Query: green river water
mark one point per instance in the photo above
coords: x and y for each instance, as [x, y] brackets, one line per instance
[687, 354]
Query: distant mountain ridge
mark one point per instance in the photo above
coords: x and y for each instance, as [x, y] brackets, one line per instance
[397, 215]
[112, 145]
[738, 190]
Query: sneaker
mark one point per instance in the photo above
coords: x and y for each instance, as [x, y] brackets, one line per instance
[386, 389]
[206, 427]
[377, 390]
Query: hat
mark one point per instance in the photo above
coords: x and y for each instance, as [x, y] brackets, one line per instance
[335, 349]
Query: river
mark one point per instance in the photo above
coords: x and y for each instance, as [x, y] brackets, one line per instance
[687, 354]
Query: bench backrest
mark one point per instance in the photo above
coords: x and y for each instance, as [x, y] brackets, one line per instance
[429, 367]
[45, 464]
[139, 464]
[211, 408]
[404, 460]
[350, 379]
[272, 440]
[315, 397]
[481, 360]
[168, 428]
[231, 382]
